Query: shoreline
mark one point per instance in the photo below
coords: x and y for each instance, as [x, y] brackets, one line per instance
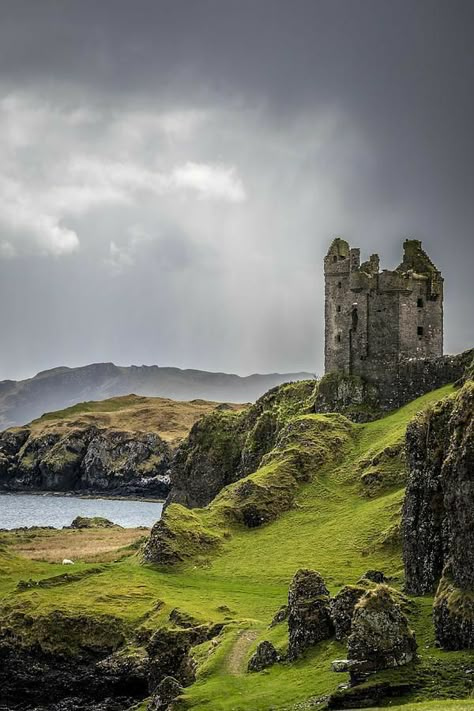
[85, 495]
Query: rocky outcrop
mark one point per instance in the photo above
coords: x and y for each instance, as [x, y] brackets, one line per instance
[85, 460]
[166, 691]
[71, 662]
[168, 650]
[280, 616]
[264, 656]
[438, 515]
[81, 522]
[64, 662]
[453, 615]
[380, 636]
[226, 446]
[372, 576]
[179, 535]
[342, 609]
[309, 614]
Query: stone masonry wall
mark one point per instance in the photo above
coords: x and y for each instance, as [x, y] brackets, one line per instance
[376, 321]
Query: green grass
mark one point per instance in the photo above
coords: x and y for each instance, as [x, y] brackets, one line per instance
[242, 581]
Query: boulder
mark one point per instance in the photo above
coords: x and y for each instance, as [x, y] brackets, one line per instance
[280, 616]
[309, 614]
[342, 609]
[380, 636]
[94, 522]
[265, 656]
[167, 690]
[373, 576]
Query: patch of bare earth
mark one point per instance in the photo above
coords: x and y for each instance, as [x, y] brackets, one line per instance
[88, 545]
[238, 655]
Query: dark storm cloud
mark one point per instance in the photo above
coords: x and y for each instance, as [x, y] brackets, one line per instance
[171, 172]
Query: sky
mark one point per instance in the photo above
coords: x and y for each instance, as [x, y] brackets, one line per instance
[173, 172]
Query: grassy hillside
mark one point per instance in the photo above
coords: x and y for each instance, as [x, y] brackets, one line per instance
[170, 419]
[337, 524]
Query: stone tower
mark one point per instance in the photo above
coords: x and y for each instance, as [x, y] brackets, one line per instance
[375, 320]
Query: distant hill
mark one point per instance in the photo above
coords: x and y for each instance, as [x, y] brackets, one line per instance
[170, 419]
[24, 400]
[121, 446]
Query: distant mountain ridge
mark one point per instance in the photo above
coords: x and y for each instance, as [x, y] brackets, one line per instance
[24, 400]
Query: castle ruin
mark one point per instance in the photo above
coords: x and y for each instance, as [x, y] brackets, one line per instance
[377, 320]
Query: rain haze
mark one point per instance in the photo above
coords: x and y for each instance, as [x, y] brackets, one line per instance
[172, 173]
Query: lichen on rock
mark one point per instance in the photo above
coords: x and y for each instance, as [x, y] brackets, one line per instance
[453, 615]
[342, 609]
[309, 614]
[264, 656]
[380, 635]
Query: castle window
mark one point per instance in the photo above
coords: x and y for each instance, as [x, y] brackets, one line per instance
[355, 318]
[338, 338]
[420, 303]
[338, 309]
[334, 259]
[339, 284]
[419, 330]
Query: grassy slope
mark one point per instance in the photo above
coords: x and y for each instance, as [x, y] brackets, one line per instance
[333, 528]
[171, 419]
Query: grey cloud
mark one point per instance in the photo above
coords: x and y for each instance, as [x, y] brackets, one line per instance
[172, 172]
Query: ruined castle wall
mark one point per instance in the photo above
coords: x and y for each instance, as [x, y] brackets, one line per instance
[421, 311]
[337, 315]
[376, 319]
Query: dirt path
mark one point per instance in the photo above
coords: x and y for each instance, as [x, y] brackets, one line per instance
[236, 660]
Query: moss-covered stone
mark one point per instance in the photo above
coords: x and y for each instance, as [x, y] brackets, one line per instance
[380, 636]
[453, 615]
[227, 446]
[309, 613]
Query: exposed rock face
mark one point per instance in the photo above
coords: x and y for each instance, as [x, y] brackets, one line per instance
[280, 616]
[438, 516]
[169, 652]
[207, 461]
[309, 616]
[342, 609]
[380, 636]
[167, 547]
[453, 615]
[265, 656]
[227, 446]
[373, 576]
[69, 662]
[166, 692]
[60, 662]
[85, 460]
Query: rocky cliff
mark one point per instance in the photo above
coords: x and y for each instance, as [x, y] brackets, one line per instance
[227, 445]
[438, 514]
[122, 446]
